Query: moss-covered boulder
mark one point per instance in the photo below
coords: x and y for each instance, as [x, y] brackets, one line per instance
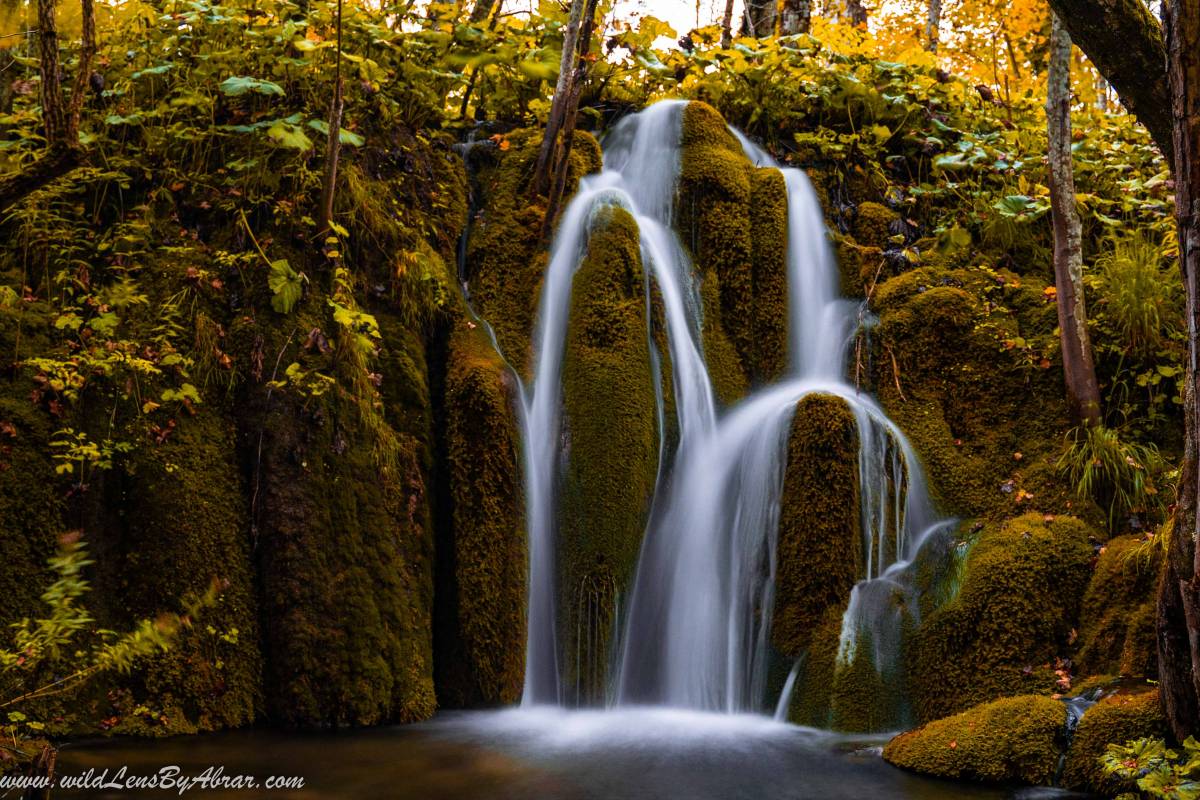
[820, 542]
[480, 626]
[608, 479]
[1013, 739]
[1117, 719]
[506, 254]
[1116, 622]
[732, 216]
[1021, 587]
[872, 223]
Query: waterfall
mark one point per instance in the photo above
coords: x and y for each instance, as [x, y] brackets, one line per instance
[697, 619]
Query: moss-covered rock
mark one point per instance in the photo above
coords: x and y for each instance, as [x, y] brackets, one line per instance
[608, 479]
[872, 223]
[1117, 719]
[820, 544]
[1013, 739]
[1019, 601]
[506, 255]
[1116, 622]
[485, 573]
[732, 217]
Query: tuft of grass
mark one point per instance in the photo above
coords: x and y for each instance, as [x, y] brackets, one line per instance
[1119, 475]
[1140, 291]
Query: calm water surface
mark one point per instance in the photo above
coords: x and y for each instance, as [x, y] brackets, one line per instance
[549, 754]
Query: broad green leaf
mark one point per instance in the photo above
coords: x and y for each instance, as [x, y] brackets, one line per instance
[241, 84]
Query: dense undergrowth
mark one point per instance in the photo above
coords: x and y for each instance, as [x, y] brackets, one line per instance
[210, 388]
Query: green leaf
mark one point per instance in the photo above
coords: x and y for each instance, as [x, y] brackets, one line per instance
[241, 84]
[344, 136]
[288, 135]
[286, 284]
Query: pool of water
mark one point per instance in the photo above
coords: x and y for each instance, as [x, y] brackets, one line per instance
[549, 754]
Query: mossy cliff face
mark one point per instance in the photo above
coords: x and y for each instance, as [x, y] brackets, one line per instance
[483, 660]
[1117, 719]
[820, 545]
[1014, 613]
[344, 546]
[732, 217]
[610, 432]
[1014, 739]
[955, 368]
[1116, 621]
[506, 255]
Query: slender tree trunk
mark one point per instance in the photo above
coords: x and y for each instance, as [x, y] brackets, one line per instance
[483, 9]
[856, 13]
[1079, 370]
[562, 165]
[466, 101]
[760, 17]
[83, 76]
[727, 25]
[563, 92]
[933, 26]
[1179, 591]
[54, 118]
[333, 142]
[796, 18]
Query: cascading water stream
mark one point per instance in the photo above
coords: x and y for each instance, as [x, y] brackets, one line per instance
[697, 624]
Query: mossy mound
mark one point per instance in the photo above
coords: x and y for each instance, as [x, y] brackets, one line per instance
[506, 255]
[608, 479]
[872, 224]
[1117, 719]
[1116, 622]
[732, 217]
[1019, 601]
[956, 366]
[486, 558]
[185, 525]
[1013, 739]
[819, 552]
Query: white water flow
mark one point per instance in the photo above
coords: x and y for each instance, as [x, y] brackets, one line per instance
[697, 624]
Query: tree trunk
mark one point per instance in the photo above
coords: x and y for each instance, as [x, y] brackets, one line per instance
[563, 92]
[727, 25]
[1179, 591]
[1079, 370]
[83, 76]
[856, 13]
[558, 181]
[53, 117]
[797, 17]
[333, 142]
[760, 18]
[933, 25]
[1125, 43]
[482, 10]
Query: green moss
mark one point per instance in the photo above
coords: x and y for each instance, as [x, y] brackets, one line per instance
[608, 480]
[1117, 719]
[1116, 623]
[724, 365]
[859, 267]
[1014, 614]
[819, 549]
[489, 548]
[1014, 739]
[871, 224]
[186, 525]
[506, 255]
[732, 217]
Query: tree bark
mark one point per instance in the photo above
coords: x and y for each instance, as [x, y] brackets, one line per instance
[333, 142]
[1125, 43]
[83, 75]
[563, 92]
[1179, 591]
[796, 18]
[727, 25]
[482, 10]
[53, 116]
[760, 18]
[933, 26]
[856, 13]
[1079, 370]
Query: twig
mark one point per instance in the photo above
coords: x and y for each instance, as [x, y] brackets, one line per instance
[896, 374]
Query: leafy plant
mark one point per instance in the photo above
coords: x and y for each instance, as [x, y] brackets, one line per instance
[1141, 291]
[1118, 474]
[1160, 771]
